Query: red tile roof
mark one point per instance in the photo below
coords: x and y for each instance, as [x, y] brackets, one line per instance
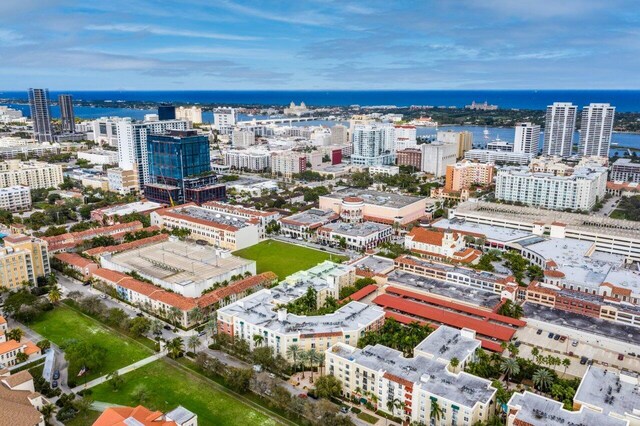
[362, 293]
[174, 213]
[120, 416]
[428, 236]
[128, 246]
[74, 260]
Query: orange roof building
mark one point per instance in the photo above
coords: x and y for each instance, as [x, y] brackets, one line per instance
[142, 416]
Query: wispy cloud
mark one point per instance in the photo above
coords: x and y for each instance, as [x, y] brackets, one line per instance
[164, 31]
[308, 17]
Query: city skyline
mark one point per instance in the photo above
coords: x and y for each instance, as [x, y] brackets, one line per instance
[315, 46]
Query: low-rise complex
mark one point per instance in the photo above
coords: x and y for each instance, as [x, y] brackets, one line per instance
[109, 215]
[20, 404]
[305, 224]
[354, 236]
[15, 198]
[22, 260]
[33, 174]
[142, 416]
[625, 170]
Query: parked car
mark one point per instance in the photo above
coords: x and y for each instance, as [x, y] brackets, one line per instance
[167, 327]
[202, 333]
[574, 343]
[620, 357]
[139, 314]
[56, 374]
[344, 410]
[517, 344]
[563, 338]
[583, 360]
[539, 331]
[556, 337]
[550, 336]
[54, 384]
[303, 396]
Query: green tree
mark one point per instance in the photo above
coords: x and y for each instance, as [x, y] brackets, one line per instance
[293, 352]
[193, 342]
[82, 353]
[15, 334]
[239, 379]
[509, 367]
[175, 347]
[328, 387]
[435, 412]
[542, 379]
[139, 326]
[47, 411]
[55, 295]
[258, 340]
[115, 380]
[21, 357]
[454, 362]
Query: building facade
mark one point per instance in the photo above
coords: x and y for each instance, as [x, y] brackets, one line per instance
[437, 156]
[527, 138]
[464, 174]
[625, 170]
[560, 123]
[288, 163]
[411, 157]
[67, 116]
[15, 198]
[463, 140]
[373, 144]
[596, 130]
[23, 259]
[192, 114]
[41, 115]
[33, 174]
[251, 160]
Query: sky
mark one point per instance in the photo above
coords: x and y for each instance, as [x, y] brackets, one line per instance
[319, 44]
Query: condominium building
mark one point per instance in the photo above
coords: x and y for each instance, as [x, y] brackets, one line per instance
[67, 116]
[411, 157]
[226, 231]
[498, 157]
[224, 119]
[596, 130]
[123, 181]
[99, 156]
[33, 174]
[40, 115]
[437, 156]
[104, 130]
[467, 173]
[354, 236]
[527, 138]
[420, 383]
[625, 170]
[192, 114]
[288, 163]
[263, 314]
[242, 138]
[373, 144]
[339, 135]
[579, 191]
[132, 143]
[251, 160]
[405, 137]
[462, 140]
[22, 259]
[15, 198]
[560, 124]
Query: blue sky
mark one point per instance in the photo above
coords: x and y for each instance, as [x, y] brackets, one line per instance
[319, 44]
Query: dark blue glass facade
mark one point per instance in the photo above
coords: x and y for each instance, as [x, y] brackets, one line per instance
[178, 155]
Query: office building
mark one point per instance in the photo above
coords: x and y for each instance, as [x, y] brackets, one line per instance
[463, 140]
[104, 130]
[41, 115]
[191, 114]
[251, 160]
[527, 138]
[579, 191]
[67, 116]
[405, 137]
[596, 130]
[242, 138]
[305, 224]
[99, 157]
[560, 124]
[22, 260]
[420, 382]
[437, 156]
[339, 135]
[34, 174]
[373, 144]
[625, 170]
[166, 112]
[466, 173]
[498, 157]
[224, 119]
[288, 163]
[15, 198]
[123, 181]
[132, 143]
[411, 157]
[354, 236]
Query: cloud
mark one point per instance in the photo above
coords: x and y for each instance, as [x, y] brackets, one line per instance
[149, 29]
[309, 17]
[11, 38]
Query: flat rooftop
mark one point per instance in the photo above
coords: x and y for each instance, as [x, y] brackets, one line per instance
[384, 199]
[538, 410]
[464, 389]
[179, 262]
[528, 215]
[456, 292]
[595, 326]
[311, 217]
[137, 207]
[494, 233]
[613, 392]
[212, 216]
[363, 229]
[452, 269]
[446, 343]
[375, 264]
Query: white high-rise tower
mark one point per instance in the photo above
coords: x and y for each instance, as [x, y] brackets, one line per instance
[596, 130]
[527, 138]
[560, 123]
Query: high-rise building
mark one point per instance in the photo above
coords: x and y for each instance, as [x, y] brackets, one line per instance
[463, 140]
[132, 143]
[192, 114]
[527, 138]
[288, 163]
[405, 137]
[596, 130]
[373, 144]
[224, 119]
[166, 112]
[339, 135]
[180, 165]
[243, 138]
[437, 156]
[466, 173]
[560, 123]
[41, 115]
[67, 117]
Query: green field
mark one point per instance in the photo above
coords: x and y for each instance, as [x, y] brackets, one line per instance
[168, 386]
[283, 258]
[63, 323]
[368, 418]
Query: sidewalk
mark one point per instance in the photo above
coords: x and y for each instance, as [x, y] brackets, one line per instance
[123, 370]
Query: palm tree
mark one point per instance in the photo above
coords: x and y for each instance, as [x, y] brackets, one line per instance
[313, 357]
[374, 400]
[47, 411]
[293, 352]
[196, 314]
[542, 378]
[54, 294]
[565, 363]
[174, 315]
[193, 342]
[175, 347]
[52, 279]
[435, 412]
[517, 311]
[454, 362]
[509, 367]
[304, 357]
[156, 328]
[258, 340]
[15, 334]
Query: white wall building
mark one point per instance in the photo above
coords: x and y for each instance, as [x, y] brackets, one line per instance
[252, 160]
[560, 123]
[527, 138]
[437, 156]
[15, 198]
[224, 119]
[384, 170]
[105, 130]
[288, 163]
[242, 138]
[192, 114]
[339, 135]
[99, 156]
[33, 174]
[498, 157]
[405, 137]
[596, 130]
[373, 144]
[579, 191]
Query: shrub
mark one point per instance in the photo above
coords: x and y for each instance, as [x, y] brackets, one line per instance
[356, 410]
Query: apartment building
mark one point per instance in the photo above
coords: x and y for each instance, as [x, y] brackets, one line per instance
[354, 236]
[410, 157]
[579, 191]
[373, 144]
[33, 174]
[105, 130]
[242, 138]
[421, 382]
[462, 140]
[15, 198]
[437, 156]
[288, 163]
[251, 160]
[123, 181]
[625, 170]
[560, 124]
[596, 130]
[192, 114]
[23, 259]
[527, 138]
[228, 231]
[262, 218]
[405, 137]
[498, 157]
[466, 173]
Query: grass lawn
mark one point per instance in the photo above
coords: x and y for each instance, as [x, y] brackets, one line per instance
[368, 418]
[283, 258]
[168, 386]
[63, 323]
[92, 416]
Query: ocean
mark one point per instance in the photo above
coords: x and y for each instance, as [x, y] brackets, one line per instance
[623, 100]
